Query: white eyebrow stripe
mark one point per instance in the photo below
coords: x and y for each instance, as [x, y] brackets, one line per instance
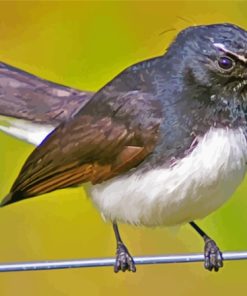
[222, 47]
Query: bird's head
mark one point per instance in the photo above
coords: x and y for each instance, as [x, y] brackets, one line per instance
[213, 58]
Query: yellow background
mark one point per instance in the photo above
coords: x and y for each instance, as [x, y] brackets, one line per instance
[84, 44]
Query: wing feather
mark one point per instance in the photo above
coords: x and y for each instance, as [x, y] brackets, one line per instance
[96, 145]
[70, 158]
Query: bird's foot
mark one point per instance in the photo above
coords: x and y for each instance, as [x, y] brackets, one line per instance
[124, 260]
[213, 255]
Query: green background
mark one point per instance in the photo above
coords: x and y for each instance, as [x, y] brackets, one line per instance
[84, 44]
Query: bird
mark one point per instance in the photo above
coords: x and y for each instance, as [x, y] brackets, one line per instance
[163, 143]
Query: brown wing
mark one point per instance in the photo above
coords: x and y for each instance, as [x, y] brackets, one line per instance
[26, 96]
[86, 149]
[115, 131]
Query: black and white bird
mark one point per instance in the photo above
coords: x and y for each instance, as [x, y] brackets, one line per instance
[163, 143]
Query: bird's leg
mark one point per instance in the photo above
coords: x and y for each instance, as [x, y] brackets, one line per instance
[213, 255]
[124, 261]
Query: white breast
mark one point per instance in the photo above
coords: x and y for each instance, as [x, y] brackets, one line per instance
[193, 188]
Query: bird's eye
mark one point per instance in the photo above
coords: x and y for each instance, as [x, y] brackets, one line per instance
[226, 63]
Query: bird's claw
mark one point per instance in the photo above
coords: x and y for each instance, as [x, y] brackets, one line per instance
[213, 256]
[124, 261]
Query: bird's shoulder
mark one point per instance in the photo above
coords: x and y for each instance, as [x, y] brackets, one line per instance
[129, 96]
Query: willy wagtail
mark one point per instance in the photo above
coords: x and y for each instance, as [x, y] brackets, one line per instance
[163, 143]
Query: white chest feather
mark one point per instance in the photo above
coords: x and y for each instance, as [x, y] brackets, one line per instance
[197, 185]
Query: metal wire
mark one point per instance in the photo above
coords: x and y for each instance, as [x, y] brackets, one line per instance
[102, 262]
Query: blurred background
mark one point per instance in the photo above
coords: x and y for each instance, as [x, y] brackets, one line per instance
[85, 44]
